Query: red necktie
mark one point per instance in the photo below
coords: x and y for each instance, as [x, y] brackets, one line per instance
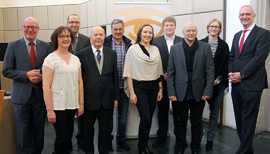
[242, 41]
[32, 54]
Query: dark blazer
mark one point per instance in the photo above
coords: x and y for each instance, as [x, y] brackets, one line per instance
[221, 62]
[83, 42]
[160, 42]
[108, 42]
[251, 62]
[17, 63]
[202, 76]
[99, 89]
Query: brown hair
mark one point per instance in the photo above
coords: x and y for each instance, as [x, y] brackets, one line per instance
[169, 19]
[138, 40]
[55, 35]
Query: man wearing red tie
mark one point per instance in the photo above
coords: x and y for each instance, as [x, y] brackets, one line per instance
[248, 76]
[22, 64]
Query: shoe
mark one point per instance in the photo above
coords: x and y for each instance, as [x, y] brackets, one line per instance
[196, 152]
[209, 146]
[160, 142]
[179, 150]
[145, 150]
[123, 146]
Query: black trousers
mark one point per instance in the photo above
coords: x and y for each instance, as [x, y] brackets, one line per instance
[30, 119]
[64, 127]
[180, 116]
[146, 92]
[104, 117]
[163, 116]
[246, 107]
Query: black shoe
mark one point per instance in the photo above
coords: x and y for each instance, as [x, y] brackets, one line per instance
[160, 142]
[123, 146]
[196, 152]
[209, 146]
[145, 150]
[179, 150]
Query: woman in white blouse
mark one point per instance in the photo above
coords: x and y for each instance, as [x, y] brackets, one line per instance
[142, 69]
[63, 88]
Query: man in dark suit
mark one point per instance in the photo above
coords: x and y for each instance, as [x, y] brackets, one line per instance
[249, 51]
[120, 44]
[22, 63]
[101, 91]
[81, 41]
[190, 83]
[164, 44]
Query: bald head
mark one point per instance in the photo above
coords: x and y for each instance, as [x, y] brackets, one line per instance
[30, 28]
[97, 37]
[190, 32]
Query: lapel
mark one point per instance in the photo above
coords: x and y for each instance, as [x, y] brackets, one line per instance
[219, 50]
[92, 60]
[183, 57]
[105, 60]
[38, 53]
[164, 44]
[236, 44]
[196, 56]
[24, 52]
[250, 37]
[78, 42]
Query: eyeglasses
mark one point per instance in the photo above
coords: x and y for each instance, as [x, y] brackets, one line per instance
[74, 22]
[64, 36]
[31, 27]
[214, 27]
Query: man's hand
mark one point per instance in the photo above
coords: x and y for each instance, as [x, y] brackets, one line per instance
[173, 98]
[205, 98]
[115, 102]
[34, 76]
[235, 77]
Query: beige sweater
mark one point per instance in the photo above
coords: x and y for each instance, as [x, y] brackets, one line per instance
[140, 67]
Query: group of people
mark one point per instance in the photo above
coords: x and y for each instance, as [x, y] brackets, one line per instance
[91, 77]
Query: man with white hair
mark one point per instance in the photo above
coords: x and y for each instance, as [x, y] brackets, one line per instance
[248, 76]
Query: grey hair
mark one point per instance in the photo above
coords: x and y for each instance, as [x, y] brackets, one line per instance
[117, 21]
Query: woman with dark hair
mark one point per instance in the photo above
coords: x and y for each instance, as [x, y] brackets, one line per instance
[142, 69]
[220, 53]
[62, 88]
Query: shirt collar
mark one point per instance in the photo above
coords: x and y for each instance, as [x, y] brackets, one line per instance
[114, 42]
[166, 38]
[250, 27]
[28, 42]
[95, 49]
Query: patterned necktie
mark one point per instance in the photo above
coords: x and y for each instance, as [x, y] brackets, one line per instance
[242, 41]
[32, 54]
[98, 56]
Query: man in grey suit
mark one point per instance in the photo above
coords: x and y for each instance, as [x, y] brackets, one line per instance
[190, 83]
[164, 44]
[81, 41]
[22, 63]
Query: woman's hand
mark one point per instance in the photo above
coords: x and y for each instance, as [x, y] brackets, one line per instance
[133, 98]
[160, 95]
[80, 110]
[51, 116]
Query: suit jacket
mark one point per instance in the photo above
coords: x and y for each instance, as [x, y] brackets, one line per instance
[221, 62]
[100, 90]
[160, 42]
[251, 62]
[17, 63]
[83, 42]
[202, 75]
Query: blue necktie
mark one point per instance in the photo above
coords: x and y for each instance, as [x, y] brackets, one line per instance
[98, 56]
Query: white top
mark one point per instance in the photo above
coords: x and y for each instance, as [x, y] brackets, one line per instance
[65, 84]
[140, 67]
[169, 42]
